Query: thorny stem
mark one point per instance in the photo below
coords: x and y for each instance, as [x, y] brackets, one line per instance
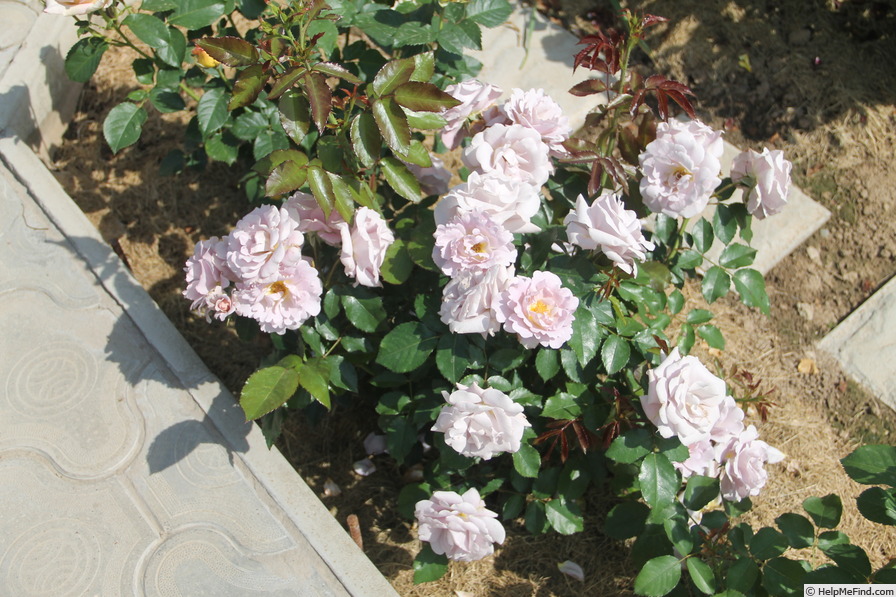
[614, 117]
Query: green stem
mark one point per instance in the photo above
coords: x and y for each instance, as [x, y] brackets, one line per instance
[677, 244]
[127, 40]
[189, 91]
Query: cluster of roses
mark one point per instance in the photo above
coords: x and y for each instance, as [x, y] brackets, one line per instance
[258, 270]
[685, 400]
[509, 158]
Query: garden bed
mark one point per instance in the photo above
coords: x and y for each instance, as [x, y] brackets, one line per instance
[840, 136]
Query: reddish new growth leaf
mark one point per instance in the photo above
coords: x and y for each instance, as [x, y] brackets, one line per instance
[601, 53]
[557, 431]
[665, 90]
[649, 20]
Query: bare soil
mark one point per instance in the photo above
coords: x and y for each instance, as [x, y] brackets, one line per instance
[813, 78]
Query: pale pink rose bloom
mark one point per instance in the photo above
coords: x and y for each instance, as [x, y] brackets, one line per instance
[730, 423]
[608, 226]
[459, 526]
[364, 246]
[283, 302]
[470, 300]
[512, 152]
[681, 168]
[481, 422]
[510, 203]
[701, 460]
[771, 173]
[434, 179]
[206, 270]
[305, 209]
[75, 7]
[538, 310]
[266, 238]
[217, 304]
[472, 241]
[475, 97]
[683, 398]
[743, 459]
[537, 110]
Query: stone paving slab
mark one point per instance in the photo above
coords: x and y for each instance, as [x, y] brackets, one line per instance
[549, 66]
[865, 343]
[125, 467]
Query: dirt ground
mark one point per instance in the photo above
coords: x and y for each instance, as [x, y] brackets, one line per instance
[812, 78]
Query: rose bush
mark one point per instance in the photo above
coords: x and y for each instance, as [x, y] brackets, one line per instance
[518, 339]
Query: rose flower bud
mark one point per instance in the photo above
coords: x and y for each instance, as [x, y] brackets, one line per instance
[203, 58]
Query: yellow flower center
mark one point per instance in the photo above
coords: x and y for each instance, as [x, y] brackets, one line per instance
[278, 287]
[478, 247]
[540, 306]
[680, 172]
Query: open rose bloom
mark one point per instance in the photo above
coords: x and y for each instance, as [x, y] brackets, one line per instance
[769, 174]
[75, 7]
[458, 526]
[481, 422]
[681, 168]
[607, 226]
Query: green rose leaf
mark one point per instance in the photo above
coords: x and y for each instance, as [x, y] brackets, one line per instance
[319, 97]
[268, 389]
[658, 479]
[527, 460]
[423, 97]
[565, 517]
[615, 353]
[247, 86]
[223, 147]
[715, 283]
[196, 14]
[287, 81]
[658, 576]
[401, 180]
[211, 111]
[314, 376]
[231, 51]
[295, 115]
[750, 284]
[702, 575]
[724, 223]
[332, 69]
[797, 528]
[547, 363]
[168, 43]
[84, 57]
[742, 575]
[429, 566]
[703, 235]
[782, 576]
[737, 255]
[488, 13]
[825, 511]
[698, 316]
[406, 347]
[850, 558]
[768, 543]
[363, 309]
[453, 356]
[366, 139]
[123, 125]
[872, 465]
[393, 74]
[878, 505]
[585, 340]
[712, 335]
[392, 124]
[700, 491]
[631, 446]
[286, 177]
[626, 520]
